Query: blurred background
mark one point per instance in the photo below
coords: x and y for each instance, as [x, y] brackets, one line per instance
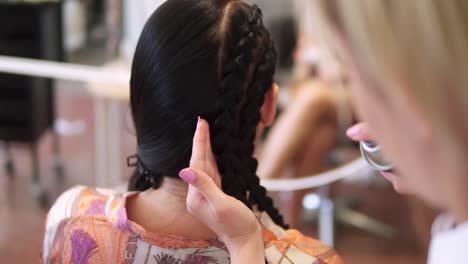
[67, 124]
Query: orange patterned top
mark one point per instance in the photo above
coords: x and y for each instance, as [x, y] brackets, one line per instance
[88, 225]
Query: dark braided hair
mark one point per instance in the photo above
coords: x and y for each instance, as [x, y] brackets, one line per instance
[209, 58]
[262, 81]
[255, 63]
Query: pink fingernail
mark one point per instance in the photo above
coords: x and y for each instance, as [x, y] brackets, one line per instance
[187, 175]
[198, 122]
[353, 132]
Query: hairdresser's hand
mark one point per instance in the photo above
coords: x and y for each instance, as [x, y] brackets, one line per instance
[232, 221]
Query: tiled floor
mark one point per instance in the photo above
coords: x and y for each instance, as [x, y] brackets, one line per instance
[21, 220]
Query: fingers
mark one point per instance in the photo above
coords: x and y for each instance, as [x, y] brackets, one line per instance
[202, 154]
[204, 128]
[200, 140]
[358, 132]
[202, 183]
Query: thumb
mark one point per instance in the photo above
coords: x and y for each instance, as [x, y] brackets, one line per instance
[203, 183]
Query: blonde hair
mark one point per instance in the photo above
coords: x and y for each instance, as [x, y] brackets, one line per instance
[420, 43]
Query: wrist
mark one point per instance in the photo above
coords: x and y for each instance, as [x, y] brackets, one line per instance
[255, 236]
[246, 241]
[247, 249]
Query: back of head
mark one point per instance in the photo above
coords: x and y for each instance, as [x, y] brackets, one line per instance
[208, 58]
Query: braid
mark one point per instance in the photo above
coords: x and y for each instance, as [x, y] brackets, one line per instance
[262, 81]
[243, 86]
[251, 117]
[224, 131]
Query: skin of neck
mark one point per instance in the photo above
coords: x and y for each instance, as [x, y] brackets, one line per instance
[450, 166]
[164, 211]
[172, 192]
[457, 195]
[176, 188]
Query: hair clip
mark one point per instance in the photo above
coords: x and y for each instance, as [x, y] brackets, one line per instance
[132, 161]
[135, 161]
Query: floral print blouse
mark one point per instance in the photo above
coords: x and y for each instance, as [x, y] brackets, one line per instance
[88, 225]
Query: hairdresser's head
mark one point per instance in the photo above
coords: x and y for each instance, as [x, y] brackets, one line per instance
[409, 64]
[208, 58]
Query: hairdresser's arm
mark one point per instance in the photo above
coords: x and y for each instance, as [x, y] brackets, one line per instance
[232, 221]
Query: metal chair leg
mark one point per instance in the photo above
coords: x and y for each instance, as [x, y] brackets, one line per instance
[35, 164]
[333, 212]
[57, 161]
[326, 217]
[9, 164]
[40, 194]
[364, 222]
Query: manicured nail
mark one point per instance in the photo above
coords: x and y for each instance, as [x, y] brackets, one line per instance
[199, 121]
[353, 132]
[187, 175]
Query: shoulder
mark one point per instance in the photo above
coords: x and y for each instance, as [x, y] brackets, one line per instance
[77, 201]
[294, 246]
[79, 206]
[62, 208]
[300, 249]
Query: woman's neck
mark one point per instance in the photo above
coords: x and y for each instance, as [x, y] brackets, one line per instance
[174, 189]
[164, 210]
[458, 205]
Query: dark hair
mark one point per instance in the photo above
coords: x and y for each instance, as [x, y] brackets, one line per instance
[208, 58]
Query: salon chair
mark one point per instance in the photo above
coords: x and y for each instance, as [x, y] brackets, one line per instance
[345, 210]
[29, 30]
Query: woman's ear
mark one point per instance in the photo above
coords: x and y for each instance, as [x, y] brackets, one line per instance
[268, 110]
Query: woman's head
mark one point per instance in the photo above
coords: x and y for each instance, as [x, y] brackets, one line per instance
[208, 58]
[408, 61]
